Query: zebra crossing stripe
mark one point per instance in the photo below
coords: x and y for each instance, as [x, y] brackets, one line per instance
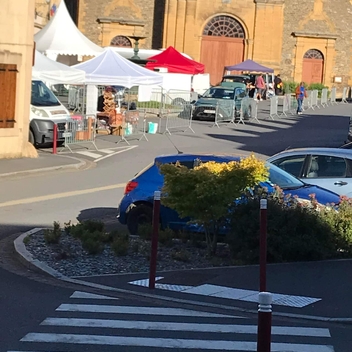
[193, 327]
[93, 308]
[169, 343]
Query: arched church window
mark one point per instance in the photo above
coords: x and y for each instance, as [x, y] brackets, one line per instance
[121, 40]
[314, 54]
[224, 26]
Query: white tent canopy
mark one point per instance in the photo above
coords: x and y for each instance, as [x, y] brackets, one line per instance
[61, 36]
[46, 69]
[110, 68]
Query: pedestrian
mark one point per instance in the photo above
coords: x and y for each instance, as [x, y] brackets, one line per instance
[260, 86]
[278, 85]
[301, 93]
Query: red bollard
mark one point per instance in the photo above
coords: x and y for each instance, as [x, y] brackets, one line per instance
[264, 322]
[55, 139]
[155, 235]
[263, 244]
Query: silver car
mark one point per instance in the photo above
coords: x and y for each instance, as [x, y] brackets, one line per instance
[329, 168]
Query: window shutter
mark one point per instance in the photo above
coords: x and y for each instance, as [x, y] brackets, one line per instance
[8, 78]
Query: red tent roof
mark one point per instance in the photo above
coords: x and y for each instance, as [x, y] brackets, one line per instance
[175, 62]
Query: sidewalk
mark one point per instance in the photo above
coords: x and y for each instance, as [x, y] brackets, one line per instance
[316, 290]
[44, 162]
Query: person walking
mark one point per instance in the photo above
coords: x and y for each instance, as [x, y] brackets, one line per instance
[278, 86]
[260, 86]
[301, 93]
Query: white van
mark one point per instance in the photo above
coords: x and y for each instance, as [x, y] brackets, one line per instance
[45, 110]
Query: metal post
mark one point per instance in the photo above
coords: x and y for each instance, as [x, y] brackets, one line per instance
[55, 139]
[263, 244]
[155, 235]
[264, 322]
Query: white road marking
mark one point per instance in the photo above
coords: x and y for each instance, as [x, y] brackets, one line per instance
[92, 308]
[115, 153]
[169, 343]
[232, 293]
[90, 154]
[194, 327]
[87, 295]
[60, 195]
[106, 151]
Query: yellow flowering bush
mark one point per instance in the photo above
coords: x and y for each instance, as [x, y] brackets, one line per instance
[205, 193]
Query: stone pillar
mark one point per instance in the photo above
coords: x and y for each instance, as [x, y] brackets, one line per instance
[329, 61]
[190, 35]
[180, 24]
[268, 32]
[298, 60]
[170, 23]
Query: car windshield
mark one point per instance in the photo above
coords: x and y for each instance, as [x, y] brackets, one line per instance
[219, 93]
[42, 95]
[283, 179]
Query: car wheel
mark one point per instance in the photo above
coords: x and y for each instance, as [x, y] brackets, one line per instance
[138, 215]
[178, 101]
[31, 138]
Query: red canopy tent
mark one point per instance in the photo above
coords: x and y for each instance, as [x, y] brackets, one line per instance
[175, 62]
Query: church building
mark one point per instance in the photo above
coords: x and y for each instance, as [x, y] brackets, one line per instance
[306, 40]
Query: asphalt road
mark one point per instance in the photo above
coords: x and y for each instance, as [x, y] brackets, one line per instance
[38, 200]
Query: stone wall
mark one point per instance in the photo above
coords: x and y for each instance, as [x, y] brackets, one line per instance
[325, 24]
[124, 12]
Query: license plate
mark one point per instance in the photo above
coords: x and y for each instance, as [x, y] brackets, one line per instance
[66, 134]
[209, 111]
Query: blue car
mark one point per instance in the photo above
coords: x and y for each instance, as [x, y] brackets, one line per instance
[136, 206]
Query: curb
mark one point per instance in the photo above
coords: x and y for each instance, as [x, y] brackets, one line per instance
[82, 164]
[27, 259]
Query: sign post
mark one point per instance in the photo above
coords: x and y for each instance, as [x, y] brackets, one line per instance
[155, 235]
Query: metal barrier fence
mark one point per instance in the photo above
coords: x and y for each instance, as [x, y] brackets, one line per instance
[224, 112]
[134, 126]
[158, 102]
[333, 96]
[76, 98]
[344, 95]
[286, 104]
[78, 132]
[274, 102]
[324, 98]
[314, 99]
[307, 101]
[248, 111]
[179, 119]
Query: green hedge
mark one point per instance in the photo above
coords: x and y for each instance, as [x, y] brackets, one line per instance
[295, 232]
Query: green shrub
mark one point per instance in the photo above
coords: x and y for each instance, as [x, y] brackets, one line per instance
[295, 233]
[27, 239]
[166, 237]
[290, 87]
[87, 226]
[317, 86]
[52, 236]
[341, 224]
[92, 246]
[145, 231]
[181, 256]
[120, 245]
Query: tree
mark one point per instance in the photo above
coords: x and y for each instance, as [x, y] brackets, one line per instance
[206, 192]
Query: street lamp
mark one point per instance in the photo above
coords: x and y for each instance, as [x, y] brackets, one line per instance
[136, 39]
[48, 3]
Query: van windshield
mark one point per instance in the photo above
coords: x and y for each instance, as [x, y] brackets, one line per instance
[42, 95]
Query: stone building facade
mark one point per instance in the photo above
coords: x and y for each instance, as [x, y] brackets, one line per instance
[16, 58]
[303, 40]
